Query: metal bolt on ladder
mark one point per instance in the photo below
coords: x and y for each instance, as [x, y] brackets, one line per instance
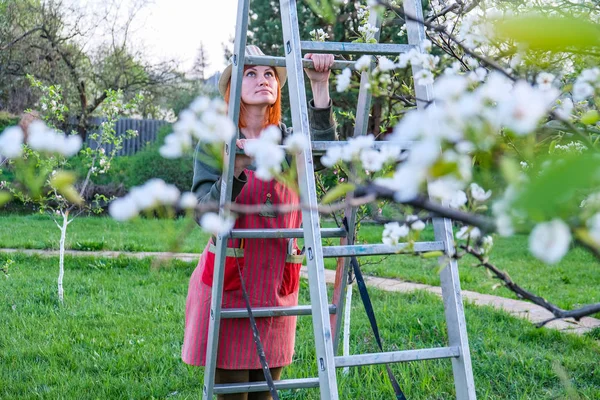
[327, 317]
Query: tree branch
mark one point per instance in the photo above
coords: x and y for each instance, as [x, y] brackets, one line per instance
[23, 36]
[558, 312]
[486, 225]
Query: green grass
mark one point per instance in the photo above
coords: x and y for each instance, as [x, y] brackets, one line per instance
[119, 335]
[569, 284]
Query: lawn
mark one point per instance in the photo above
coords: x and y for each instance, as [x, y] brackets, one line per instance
[569, 284]
[119, 335]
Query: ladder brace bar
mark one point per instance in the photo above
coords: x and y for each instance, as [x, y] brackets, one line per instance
[283, 233]
[304, 383]
[321, 147]
[259, 312]
[379, 249]
[274, 61]
[396, 357]
[356, 48]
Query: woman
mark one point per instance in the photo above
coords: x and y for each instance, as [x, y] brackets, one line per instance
[270, 267]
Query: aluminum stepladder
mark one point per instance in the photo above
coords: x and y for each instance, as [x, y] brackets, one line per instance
[325, 315]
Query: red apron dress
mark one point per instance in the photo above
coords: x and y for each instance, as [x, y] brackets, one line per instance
[270, 282]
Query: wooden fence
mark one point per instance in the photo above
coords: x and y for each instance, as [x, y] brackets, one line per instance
[147, 130]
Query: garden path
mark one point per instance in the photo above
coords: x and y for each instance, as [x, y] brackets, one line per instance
[517, 308]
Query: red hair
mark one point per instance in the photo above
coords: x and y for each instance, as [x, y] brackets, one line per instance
[273, 116]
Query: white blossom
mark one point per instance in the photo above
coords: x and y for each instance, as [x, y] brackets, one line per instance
[478, 193]
[368, 31]
[446, 189]
[174, 146]
[424, 77]
[565, 108]
[426, 45]
[343, 80]
[332, 156]
[458, 199]
[355, 145]
[188, 201]
[123, 209]
[468, 232]
[594, 228]
[545, 80]
[526, 106]
[385, 64]
[549, 241]
[267, 153]
[296, 143]
[214, 224]
[392, 232]
[148, 196]
[371, 160]
[42, 138]
[582, 90]
[11, 142]
[362, 63]
[450, 87]
[415, 223]
[318, 35]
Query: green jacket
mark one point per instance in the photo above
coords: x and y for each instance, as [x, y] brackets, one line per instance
[207, 178]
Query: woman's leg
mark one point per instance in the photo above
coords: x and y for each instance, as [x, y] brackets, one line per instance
[232, 376]
[257, 375]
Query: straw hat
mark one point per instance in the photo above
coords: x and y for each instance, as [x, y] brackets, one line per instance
[251, 50]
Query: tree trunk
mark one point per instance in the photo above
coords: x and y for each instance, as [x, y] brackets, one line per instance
[61, 257]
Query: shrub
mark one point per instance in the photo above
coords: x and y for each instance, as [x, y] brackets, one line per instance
[7, 119]
[146, 164]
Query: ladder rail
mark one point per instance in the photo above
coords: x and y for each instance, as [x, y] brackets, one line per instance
[450, 283]
[360, 129]
[214, 325]
[308, 196]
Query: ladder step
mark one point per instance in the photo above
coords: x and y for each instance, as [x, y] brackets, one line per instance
[304, 383]
[259, 312]
[321, 147]
[283, 233]
[378, 249]
[396, 356]
[356, 48]
[274, 61]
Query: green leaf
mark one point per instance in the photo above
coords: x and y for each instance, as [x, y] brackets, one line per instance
[557, 189]
[432, 254]
[590, 117]
[5, 197]
[340, 190]
[542, 32]
[510, 170]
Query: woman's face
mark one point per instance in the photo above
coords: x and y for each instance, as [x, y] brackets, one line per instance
[259, 86]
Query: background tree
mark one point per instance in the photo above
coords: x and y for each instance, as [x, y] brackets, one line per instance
[87, 52]
[200, 63]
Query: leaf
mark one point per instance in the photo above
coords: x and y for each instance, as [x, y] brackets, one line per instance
[340, 190]
[510, 170]
[590, 117]
[61, 179]
[5, 197]
[432, 254]
[71, 194]
[542, 32]
[558, 187]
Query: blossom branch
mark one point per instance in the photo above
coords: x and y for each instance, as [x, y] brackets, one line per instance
[558, 312]
[442, 30]
[485, 224]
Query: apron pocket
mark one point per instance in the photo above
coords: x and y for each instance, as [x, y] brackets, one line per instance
[233, 258]
[291, 275]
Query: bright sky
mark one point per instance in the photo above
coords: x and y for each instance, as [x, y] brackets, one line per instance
[175, 28]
